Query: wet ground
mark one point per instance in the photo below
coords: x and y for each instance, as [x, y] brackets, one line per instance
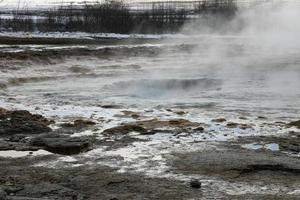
[158, 119]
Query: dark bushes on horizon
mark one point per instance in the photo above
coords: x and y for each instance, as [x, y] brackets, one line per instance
[117, 17]
[17, 23]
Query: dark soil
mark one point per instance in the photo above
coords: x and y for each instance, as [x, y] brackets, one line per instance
[22, 181]
[240, 165]
[20, 121]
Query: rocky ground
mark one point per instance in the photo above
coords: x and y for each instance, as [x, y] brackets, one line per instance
[138, 118]
[227, 171]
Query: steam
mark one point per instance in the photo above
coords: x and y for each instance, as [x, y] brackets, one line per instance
[268, 24]
[255, 54]
[273, 24]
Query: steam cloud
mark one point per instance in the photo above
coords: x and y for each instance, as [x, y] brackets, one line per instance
[255, 55]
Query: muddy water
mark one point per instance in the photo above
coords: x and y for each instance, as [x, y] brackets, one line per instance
[199, 80]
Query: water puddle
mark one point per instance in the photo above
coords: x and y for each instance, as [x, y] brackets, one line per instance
[19, 154]
[253, 146]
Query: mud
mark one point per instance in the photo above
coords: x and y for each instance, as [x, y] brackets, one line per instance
[192, 174]
[23, 131]
[240, 165]
[260, 168]
[125, 129]
[22, 181]
[79, 124]
[20, 121]
[174, 123]
[289, 143]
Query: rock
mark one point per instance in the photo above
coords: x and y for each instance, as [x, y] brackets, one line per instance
[49, 190]
[261, 117]
[2, 111]
[61, 144]
[77, 69]
[6, 146]
[195, 184]
[3, 195]
[199, 129]
[78, 124]
[148, 126]
[125, 129]
[181, 122]
[294, 123]
[129, 114]
[174, 123]
[3, 86]
[180, 113]
[26, 148]
[245, 126]
[135, 116]
[289, 144]
[17, 138]
[111, 106]
[82, 123]
[219, 120]
[11, 188]
[232, 125]
[237, 125]
[22, 122]
[268, 167]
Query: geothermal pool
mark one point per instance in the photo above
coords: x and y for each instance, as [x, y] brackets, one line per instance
[226, 74]
[196, 115]
[231, 77]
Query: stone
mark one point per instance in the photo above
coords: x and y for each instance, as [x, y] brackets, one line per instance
[125, 129]
[199, 129]
[22, 122]
[3, 195]
[219, 120]
[295, 124]
[79, 123]
[61, 144]
[195, 184]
